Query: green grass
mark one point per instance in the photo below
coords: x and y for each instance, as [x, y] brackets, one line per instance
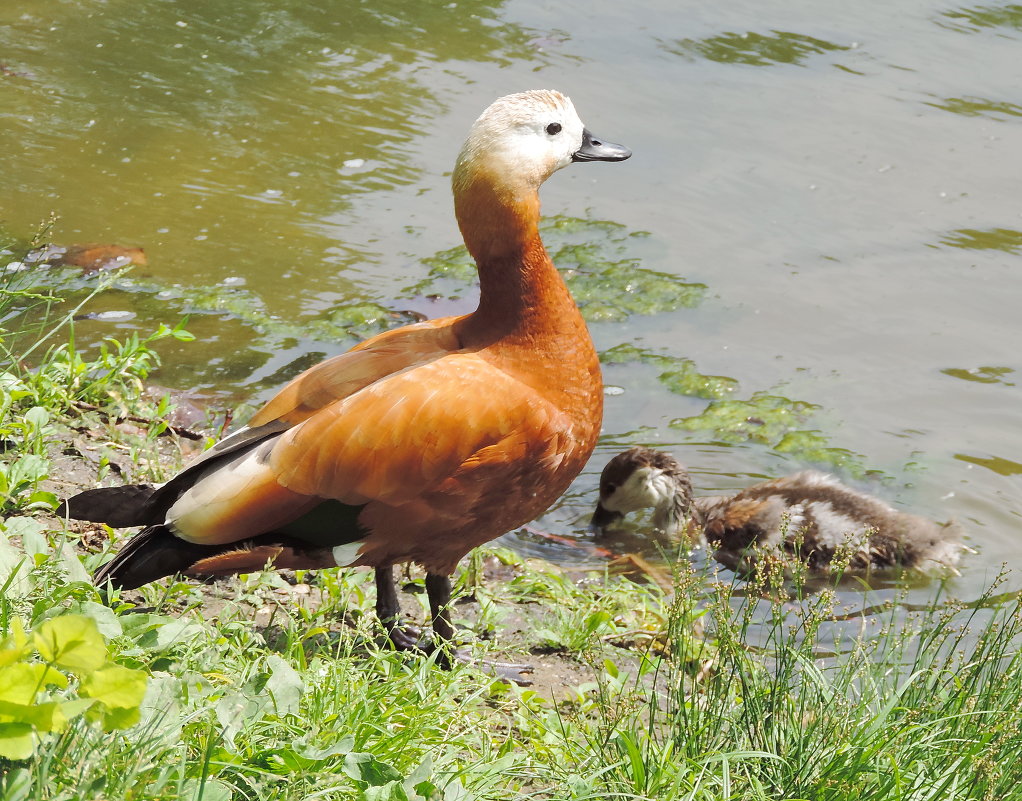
[926, 709]
[264, 693]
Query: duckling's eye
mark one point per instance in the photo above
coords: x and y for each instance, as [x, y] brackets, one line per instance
[608, 489]
[553, 128]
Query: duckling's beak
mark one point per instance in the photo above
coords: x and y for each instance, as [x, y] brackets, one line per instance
[594, 149]
[602, 518]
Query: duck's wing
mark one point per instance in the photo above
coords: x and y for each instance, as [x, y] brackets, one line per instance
[390, 442]
[343, 375]
[338, 377]
[317, 387]
[411, 431]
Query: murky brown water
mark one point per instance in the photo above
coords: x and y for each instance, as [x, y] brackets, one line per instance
[845, 181]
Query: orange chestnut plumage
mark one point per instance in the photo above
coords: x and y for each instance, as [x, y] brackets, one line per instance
[420, 443]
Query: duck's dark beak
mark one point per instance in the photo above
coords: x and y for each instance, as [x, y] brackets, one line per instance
[601, 519]
[594, 149]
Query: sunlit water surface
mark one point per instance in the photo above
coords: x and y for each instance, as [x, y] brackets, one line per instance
[844, 181]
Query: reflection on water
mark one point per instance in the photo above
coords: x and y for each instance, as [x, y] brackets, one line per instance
[756, 49]
[1004, 467]
[982, 375]
[190, 120]
[1006, 239]
[601, 262]
[979, 106]
[993, 16]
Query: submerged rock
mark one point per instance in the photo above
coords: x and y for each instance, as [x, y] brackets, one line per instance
[91, 257]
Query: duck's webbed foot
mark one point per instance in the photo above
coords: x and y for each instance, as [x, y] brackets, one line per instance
[402, 635]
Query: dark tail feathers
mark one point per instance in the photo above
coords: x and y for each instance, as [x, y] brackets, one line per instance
[116, 506]
[151, 554]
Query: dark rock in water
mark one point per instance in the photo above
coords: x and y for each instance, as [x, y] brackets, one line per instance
[7, 71]
[112, 316]
[103, 257]
[91, 257]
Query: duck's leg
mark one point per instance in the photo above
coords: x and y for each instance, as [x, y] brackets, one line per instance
[388, 610]
[438, 590]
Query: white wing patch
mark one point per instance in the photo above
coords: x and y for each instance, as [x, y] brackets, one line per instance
[345, 555]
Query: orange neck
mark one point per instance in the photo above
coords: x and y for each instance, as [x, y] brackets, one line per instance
[522, 297]
[527, 322]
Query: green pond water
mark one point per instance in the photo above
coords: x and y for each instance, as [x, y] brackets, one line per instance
[814, 257]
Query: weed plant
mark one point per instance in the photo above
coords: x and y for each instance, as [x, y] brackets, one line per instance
[928, 708]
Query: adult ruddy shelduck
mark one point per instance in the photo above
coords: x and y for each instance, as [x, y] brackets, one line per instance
[420, 443]
[808, 516]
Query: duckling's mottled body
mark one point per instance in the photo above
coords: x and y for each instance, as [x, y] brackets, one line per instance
[808, 516]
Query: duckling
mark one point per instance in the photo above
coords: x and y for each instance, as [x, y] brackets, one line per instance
[420, 443]
[808, 516]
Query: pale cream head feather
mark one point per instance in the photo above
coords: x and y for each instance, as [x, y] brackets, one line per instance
[521, 139]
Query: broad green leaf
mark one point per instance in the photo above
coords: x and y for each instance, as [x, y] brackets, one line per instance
[32, 534]
[299, 759]
[37, 416]
[28, 469]
[340, 748]
[114, 718]
[209, 790]
[45, 717]
[391, 791]
[14, 566]
[18, 785]
[418, 783]
[16, 741]
[141, 626]
[73, 709]
[20, 682]
[72, 564]
[174, 631]
[235, 711]
[18, 633]
[284, 686]
[366, 768]
[71, 641]
[14, 647]
[116, 686]
[455, 791]
[105, 618]
[43, 500]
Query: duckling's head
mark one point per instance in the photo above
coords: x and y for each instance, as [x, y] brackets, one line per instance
[642, 478]
[522, 139]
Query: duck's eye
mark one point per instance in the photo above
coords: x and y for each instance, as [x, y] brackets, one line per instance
[608, 489]
[553, 128]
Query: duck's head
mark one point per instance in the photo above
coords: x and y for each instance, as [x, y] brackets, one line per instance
[522, 139]
[643, 478]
